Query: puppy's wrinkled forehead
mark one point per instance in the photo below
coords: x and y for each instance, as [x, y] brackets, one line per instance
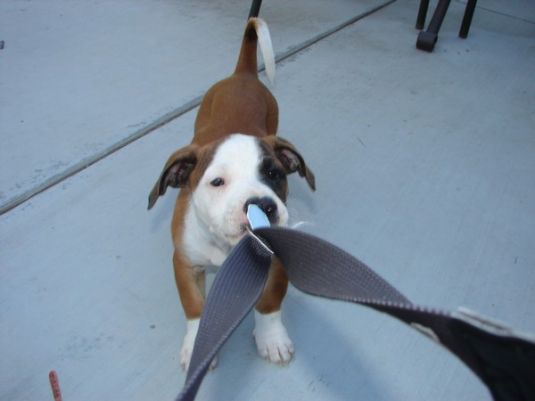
[237, 156]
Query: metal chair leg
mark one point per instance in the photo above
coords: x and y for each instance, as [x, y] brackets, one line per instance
[467, 19]
[422, 13]
[255, 8]
[427, 39]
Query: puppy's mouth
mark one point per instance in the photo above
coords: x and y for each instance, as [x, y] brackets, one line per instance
[245, 227]
[241, 232]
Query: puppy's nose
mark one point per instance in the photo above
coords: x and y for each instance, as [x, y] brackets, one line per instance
[267, 204]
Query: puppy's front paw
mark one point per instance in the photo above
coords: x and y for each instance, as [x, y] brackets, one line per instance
[185, 359]
[271, 337]
[185, 353]
[187, 346]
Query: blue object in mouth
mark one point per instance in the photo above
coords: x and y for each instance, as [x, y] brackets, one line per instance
[257, 218]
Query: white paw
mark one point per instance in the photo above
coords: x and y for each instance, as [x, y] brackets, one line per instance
[271, 337]
[187, 346]
[185, 357]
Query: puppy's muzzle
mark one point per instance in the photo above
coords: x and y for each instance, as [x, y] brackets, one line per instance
[267, 205]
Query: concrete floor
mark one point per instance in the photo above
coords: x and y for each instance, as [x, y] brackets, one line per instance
[425, 168]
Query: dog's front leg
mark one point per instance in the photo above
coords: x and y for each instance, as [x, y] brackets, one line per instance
[190, 285]
[271, 337]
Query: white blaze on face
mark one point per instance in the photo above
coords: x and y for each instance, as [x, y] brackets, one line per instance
[229, 181]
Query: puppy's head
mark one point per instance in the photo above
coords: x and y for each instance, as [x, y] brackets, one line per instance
[225, 177]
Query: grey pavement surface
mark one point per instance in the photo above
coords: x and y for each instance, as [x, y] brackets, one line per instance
[80, 78]
[425, 168]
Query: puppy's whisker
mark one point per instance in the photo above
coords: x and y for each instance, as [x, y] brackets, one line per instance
[299, 224]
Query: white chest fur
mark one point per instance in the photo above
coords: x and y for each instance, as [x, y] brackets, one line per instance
[199, 243]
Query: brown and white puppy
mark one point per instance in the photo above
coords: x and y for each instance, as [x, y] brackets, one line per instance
[234, 160]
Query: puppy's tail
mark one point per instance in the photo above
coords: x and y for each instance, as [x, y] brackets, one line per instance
[256, 31]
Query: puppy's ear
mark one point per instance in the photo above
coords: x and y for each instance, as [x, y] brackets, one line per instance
[291, 159]
[175, 173]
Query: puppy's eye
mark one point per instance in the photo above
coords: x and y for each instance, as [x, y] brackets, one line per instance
[274, 174]
[217, 182]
